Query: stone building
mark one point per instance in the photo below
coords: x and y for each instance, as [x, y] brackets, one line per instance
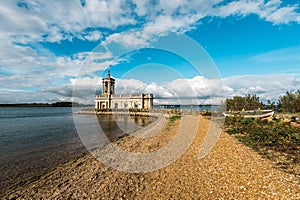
[109, 100]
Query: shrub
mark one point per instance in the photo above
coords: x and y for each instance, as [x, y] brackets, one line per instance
[260, 133]
[290, 102]
[249, 102]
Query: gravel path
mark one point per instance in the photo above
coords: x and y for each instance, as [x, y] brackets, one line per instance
[230, 171]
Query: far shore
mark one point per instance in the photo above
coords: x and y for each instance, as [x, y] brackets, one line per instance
[57, 104]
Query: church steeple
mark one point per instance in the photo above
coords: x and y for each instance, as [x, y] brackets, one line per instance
[108, 85]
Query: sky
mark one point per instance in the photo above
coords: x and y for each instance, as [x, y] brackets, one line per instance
[192, 51]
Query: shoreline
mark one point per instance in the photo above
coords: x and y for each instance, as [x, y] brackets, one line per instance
[27, 174]
[30, 179]
[22, 183]
[231, 170]
[71, 157]
[36, 177]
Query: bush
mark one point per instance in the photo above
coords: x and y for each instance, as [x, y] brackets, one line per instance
[206, 113]
[249, 102]
[290, 102]
[260, 133]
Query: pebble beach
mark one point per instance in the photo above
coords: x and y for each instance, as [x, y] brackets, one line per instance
[230, 171]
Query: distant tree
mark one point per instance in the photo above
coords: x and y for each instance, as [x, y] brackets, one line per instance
[270, 105]
[249, 102]
[290, 102]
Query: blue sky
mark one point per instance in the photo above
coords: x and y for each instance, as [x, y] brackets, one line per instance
[49, 47]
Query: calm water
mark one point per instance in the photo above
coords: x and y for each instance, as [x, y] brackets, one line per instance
[34, 140]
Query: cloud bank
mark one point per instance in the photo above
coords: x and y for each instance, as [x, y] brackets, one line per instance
[32, 72]
[197, 90]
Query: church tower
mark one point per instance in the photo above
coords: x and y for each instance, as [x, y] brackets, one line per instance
[109, 100]
[108, 85]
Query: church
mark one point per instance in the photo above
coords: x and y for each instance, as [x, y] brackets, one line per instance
[109, 100]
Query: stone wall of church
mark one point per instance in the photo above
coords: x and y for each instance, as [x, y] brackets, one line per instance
[123, 101]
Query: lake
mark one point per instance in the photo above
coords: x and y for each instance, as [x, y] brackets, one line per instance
[36, 139]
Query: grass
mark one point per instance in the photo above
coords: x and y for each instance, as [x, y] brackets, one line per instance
[174, 118]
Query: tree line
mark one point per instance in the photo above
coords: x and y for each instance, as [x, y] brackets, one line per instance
[290, 102]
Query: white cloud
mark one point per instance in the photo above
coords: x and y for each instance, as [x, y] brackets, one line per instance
[179, 15]
[51, 21]
[196, 90]
[93, 36]
[80, 89]
[131, 40]
[24, 67]
[33, 67]
[271, 11]
[284, 15]
[238, 8]
[290, 54]
[265, 86]
[28, 65]
[128, 39]
[186, 91]
[59, 20]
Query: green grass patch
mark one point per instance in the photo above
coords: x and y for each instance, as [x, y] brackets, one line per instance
[174, 118]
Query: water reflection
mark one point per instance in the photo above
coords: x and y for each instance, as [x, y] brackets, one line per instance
[116, 126]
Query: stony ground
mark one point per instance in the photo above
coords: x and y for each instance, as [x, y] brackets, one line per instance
[230, 171]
